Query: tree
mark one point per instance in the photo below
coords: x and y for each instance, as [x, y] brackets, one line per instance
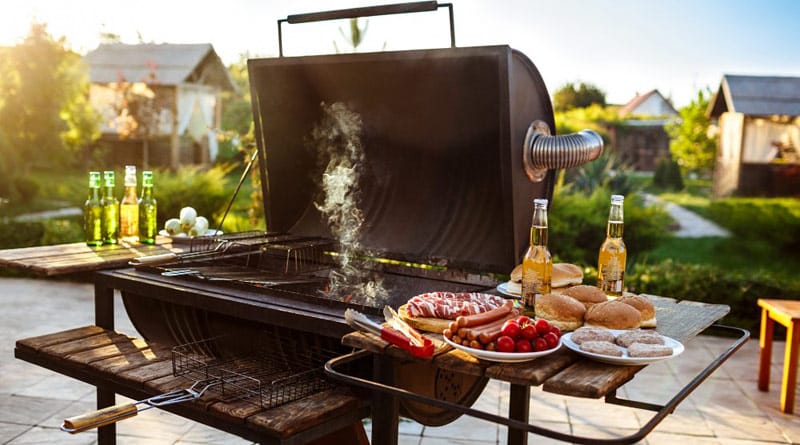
[690, 143]
[583, 95]
[44, 114]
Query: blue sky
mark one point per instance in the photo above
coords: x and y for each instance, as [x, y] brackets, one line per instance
[622, 46]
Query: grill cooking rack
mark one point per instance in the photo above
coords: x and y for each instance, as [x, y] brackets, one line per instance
[270, 373]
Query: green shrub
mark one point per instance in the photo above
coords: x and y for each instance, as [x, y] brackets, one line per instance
[711, 284]
[61, 231]
[668, 175]
[20, 234]
[775, 221]
[578, 225]
[27, 188]
[202, 189]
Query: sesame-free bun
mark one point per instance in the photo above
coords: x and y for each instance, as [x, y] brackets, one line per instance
[613, 314]
[588, 295]
[516, 274]
[644, 306]
[561, 311]
[565, 274]
[428, 324]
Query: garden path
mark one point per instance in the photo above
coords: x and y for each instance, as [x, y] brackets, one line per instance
[690, 224]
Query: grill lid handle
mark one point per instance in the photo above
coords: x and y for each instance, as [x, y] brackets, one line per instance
[541, 151]
[367, 11]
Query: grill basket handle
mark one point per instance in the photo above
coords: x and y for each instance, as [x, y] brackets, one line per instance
[541, 151]
[367, 11]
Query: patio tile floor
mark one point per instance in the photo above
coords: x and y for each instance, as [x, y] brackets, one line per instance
[726, 409]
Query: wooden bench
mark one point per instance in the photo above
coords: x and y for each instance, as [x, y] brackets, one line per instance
[787, 313]
[137, 369]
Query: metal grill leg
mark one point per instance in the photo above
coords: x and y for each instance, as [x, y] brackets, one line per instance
[518, 409]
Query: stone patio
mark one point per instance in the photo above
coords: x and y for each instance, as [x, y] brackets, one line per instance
[726, 409]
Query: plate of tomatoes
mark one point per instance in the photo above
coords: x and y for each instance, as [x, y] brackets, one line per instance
[521, 339]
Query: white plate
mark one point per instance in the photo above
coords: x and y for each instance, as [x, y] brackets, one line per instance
[502, 357]
[503, 289]
[187, 238]
[677, 349]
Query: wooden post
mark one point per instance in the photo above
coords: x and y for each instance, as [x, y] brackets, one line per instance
[790, 366]
[765, 349]
[104, 318]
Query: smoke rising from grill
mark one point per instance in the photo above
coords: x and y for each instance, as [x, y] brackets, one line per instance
[338, 141]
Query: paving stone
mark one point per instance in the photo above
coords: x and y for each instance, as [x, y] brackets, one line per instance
[601, 432]
[598, 413]
[9, 431]
[201, 434]
[154, 423]
[661, 438]
[464, 427]
[735, 425]
[38, 435]
[28, 410]
[57, 386]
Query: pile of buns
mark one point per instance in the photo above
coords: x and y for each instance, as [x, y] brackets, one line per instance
[571, 304]
[584, 305]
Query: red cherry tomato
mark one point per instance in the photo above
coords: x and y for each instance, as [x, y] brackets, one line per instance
[505, 344]
[551, 339]
[529, 332]
[540, 344]
[524, 320]
[511, 329]
[556, 331]
[523, 345]
[542, 326]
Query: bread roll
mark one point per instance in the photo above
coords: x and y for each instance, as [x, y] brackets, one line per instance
[566, 274]
[561, 311]
[644, 306]
[613, 314]
[437, 325]
[587, 295]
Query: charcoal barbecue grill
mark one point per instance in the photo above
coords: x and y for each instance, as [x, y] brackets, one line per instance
[444, 150]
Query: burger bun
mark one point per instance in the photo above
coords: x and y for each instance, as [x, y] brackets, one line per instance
[561, 311]
[613, 314]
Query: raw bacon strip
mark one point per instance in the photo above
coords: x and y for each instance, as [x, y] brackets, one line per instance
[450, 305]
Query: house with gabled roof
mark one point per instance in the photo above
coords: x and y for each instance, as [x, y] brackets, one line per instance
[758, 118]
[640, 140]
[160, 103]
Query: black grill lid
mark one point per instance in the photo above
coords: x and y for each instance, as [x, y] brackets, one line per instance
[442, 180]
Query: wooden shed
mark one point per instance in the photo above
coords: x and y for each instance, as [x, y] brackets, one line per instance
[759, 136]
[640, 140]
[160, 103]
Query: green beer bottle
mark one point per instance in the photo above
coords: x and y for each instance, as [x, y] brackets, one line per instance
[110, 210]
[93, 212]
[148, 227]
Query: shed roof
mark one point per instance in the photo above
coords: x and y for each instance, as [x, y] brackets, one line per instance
[756, 96]
[630, 107]
[171, 64]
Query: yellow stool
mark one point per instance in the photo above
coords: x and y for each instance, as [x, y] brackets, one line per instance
[787, 313]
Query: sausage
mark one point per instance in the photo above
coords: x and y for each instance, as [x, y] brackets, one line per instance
[453, 326]
[462, 332]
[492, 346]
[448, 333]
[474, 332]
[475, 344]
[485, 317]
[492, 332]
[456, 339]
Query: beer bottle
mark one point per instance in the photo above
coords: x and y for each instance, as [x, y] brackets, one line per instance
[93, 212]
[611, 261]
[129, 207]
[148, 226]
[537, 265]
[110, 210]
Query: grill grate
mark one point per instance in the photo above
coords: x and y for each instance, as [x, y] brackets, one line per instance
[270, 371]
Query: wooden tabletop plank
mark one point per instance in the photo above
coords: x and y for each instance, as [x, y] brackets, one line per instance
[104, 338]
[287, 420]
[41, 341]
[78, 257]
[141, 375]
[120, 348]
[136, 359]
[535, 372]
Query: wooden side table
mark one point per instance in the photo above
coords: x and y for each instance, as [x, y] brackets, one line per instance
[787, 313]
